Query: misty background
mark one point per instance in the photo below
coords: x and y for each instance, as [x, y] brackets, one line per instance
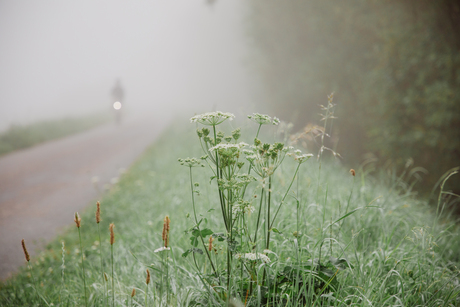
[393, 66]
[61, 58]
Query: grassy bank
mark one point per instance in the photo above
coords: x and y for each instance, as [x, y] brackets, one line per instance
[338, 240]
[23, 136]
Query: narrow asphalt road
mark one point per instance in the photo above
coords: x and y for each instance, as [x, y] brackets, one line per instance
[41, 187]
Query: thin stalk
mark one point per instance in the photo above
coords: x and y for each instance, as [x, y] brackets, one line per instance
[229, 253]
[285, 194]
[167, 278]
[268, 211]
[219, 176]
[258, 130]
[102, 267]
[161, 283]
[196, 222]
[258, 216]
[146, 295]
[83, 267]
[113, 283]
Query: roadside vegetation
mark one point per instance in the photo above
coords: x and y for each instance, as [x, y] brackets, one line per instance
[249, 221]
[394, 64]
[24, 136]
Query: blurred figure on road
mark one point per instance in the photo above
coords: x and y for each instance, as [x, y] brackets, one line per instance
[117, 100]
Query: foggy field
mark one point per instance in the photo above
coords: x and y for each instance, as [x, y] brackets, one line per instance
[20, 137]
[391, 248]
[348, 197]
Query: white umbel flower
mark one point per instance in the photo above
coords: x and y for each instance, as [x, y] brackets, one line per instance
[228, 146]
[212, 118]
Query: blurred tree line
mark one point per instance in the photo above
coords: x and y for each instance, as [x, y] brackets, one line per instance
[393, 65]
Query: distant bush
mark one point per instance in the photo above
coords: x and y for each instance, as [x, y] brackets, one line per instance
[394, 65]
[19, 137]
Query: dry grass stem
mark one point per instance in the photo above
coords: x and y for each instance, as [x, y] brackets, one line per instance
[24, 248]
[112, 235]
[98, 212]
[210, 242]
[147, 280]
[165, 235]
[77, 220]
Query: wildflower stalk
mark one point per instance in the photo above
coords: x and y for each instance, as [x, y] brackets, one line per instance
[268, 211]
[132, 296]
[112, 240]
[219, 176]
[98, 220]
[147, 281]
[26, 254]
[285, 194]
[196, 222]
[262, 193]
[78, 222]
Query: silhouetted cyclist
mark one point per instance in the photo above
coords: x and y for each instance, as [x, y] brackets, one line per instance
[117, 100]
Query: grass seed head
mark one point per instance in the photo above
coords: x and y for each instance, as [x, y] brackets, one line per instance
[106, 278]
[147, 280]
[165, 234]
[210, 242]
[98, 212]
[112, 235]
[24, 248]
[77, 220]
[133, 292]
[352, 171]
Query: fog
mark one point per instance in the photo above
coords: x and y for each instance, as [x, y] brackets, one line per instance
[61, 58]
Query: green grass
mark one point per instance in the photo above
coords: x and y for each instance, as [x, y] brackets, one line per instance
[397, 253]
[19, 137]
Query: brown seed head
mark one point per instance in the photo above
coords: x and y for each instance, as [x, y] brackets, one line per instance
[106, 278]
[147, 280]
[352, 171]
[112, 235]
[77, 219]
[210, 242]
[98, 212]
[25, 250]
[165, 235]
[133, 292]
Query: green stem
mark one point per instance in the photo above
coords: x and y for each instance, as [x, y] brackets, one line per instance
[258, 216]
[113, 283]
[83, 267]
[102, 267]
[268, 211]
[196, 222]
[146, 296]
[284, 197]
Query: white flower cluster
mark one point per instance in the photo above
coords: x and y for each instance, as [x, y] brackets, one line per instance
[253, 257]
[212, 118]
[161, 249]
[240, 208]
[299, 157]
[228, 146]
[263, 119]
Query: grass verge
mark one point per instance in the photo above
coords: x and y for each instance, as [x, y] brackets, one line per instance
[395, 250]
[20, 137]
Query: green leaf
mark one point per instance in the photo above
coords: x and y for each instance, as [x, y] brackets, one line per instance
[194, 241]
[206, 232]
[192, 250]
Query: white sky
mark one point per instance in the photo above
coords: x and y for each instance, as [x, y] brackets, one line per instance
[61, 58]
